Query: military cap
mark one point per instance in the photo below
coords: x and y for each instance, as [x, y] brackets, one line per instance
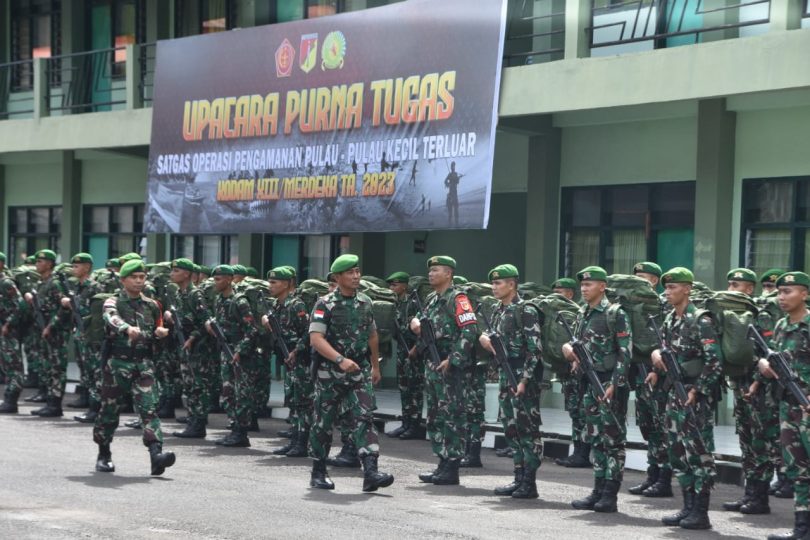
[742, 274]
[291, 269]
[770, 276]
[441, 260]
[794, 278]
[222, 270]
[45, 254]
[196, 268]
[592, 273]
[503, 271]
[281, 273]
[239, 270]
[82, 258]
[347, 261]
[183, 264]
[252, 272]
[2, 257]
[131, 256]
[205, 270]
[30, 259]
[331, 278]
[112, 263]
[647, 267]
[565, 283]
[130, 267]
[398, 277]
[460, 280]
[679, 274]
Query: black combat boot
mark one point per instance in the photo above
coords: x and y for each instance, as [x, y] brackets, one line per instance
[735, 506]
[561, 461]
[282, 451]
[181, 419]
[662, 487]
[227, 437]
[528, 485]
[396, 432]
[319, 477]
[160, 460]
[652, 477]
[800, 528]
[52, 410]
[581, 459]
[414, 431]
[238, 439]
[287, 433]
[698, 518]
[758, 503]
[373, 479]
[9, 405]
[104, 460]
[510, 488]
[165, 407]
[688, 501]
[299, 448]
[40, 397]
[90, 416]
[346, 458]
[785, 490]
[596, 494]
[473, 457]
[31, 380]
[195, 429]
[607, 502]
[82, 400]
[134, 424]
[254, 423]
[507, 452]
[448, 476]
[428, 476]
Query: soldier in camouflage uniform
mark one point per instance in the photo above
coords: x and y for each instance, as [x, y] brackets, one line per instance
[107, 278]
[292, 315]
[453, 319]
[792, 337]
[343, 333]
[605, 332]
[691, 336]
[133, 324]
[519, 329]
[12, 309]
[197, 359]
[410, 365]
[234, 316]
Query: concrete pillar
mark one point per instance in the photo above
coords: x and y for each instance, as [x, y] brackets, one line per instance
[786, 15]
[41, 105]
[157, 247]
[713, 192]
[158, 20]
[71, 170]
[543, 206]
[250, 249]
[3, 236]
[133, 77]
[577, 37]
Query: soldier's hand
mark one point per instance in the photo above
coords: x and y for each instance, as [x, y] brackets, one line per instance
[348, 366]
[208, 327]
[651, 379]
[568, 352]
[765, 368]
[444, 366]
[521, 389]
[65, 302]
[5, 329]
[167, 317]
[134, 333]
[376, 376]
[657, 361]
[748, 394]
[46, 332]
[574, 366]
[692, 399]
[29, 297]
[609, 391]
[189, 342]
[290, 360]
[236, 357]
[161, 332]
[416, 326]
[486, 343]
[266, 323]
[412, 353]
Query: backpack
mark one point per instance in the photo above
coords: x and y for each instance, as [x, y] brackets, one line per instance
[700, 294]
[769, 311]
[310, 290]
[552, 335]
[640, 301]
[26, 278]
[159, 277]
[530, 290]
[257, 292]
[375, 292]
[377, 282]
[421, 285]
[732, 312]
[94, 323]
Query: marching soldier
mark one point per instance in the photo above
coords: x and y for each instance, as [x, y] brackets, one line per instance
[12, 308]
[768, 280]
[519, 329]
[605, 331]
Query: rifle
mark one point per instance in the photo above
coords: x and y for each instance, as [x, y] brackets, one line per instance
[586, 365]
[786, 375]
[275, 327]
[74, 303]
[401, 343]
[428, 334]
[220, 335]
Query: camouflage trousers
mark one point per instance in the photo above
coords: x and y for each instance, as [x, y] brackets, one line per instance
[197, 369]
[475, 394]
[89, 361]
[302, 401]
[795, 439]
[122, 377]
[573, 392]
[690, 458]
[167, 370]
[349, 399]
[651, 419]
[521, 421]
[411, 381]
[606, 427]
[261, 383]
[11, 363]
[238, 395]
[446, 416]
[757, 426]
[33, 348]
[55, 365]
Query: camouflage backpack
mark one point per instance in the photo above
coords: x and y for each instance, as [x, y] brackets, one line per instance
[94, 323]
[310, 290]
[640, 301]
[381, 283]
[26, 278]
[385, 308]
[421, 285]
[732, 312]
[552, 335]
[700, 294]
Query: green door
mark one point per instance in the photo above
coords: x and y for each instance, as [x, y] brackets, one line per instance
[676, 247]
[100, 65]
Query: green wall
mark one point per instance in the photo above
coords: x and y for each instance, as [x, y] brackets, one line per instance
[34, 184]
[114, 181]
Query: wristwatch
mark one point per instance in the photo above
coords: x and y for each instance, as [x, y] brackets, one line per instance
[340, 358]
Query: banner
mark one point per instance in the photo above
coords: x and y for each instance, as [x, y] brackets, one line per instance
[376, 120]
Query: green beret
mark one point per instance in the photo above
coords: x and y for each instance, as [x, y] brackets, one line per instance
[239, 270]
[183, 264]
[45, 254]
[222, 270]
[503, 271]
[291, 269]
[30, 259]
[742, 274]
[252, 272]
[148, 266]
[647, 268]
[2, 257]
[347, 261]
[441, 260]
[565, 283]
[131, 256]
[679, 274]
[112, 263]
[398, 277]
[770, 276]
[280, 273]
[82, 258]
[205, 270]
[794, 278]
[130, 267]
[592, 273]
[460, 280]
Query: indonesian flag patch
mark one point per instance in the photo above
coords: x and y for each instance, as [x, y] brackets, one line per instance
[318, 314]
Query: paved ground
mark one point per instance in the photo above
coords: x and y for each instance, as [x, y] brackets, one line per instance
[48, 489]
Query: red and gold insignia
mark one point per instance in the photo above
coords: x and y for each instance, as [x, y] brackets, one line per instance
[285, 57]
[309, 52]
[464, 312]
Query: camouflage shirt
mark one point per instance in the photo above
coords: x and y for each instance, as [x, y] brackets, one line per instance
[456, 326]
[347, 322]
[107, 280]
[294, 320]
[121, 312]
[12, 305]
[234, 316]
[520, 330]
[606, 334]
[694, 343]
[84, 294]
[794, 340]
[405, 312]
[50, 293]
[192, 310]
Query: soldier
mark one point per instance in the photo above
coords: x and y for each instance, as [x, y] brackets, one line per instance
[197, 361]
[233, 315]
[239, 274]
[410, 365]
[291, 313]
[344, 335]
[203, 274]
[133, 324]
[768, 280]
[566, 287]
[252, 272]
[451, 183]
[454, 320]
[12, 309]
[691, 336]
[519, 329]
[605, 331]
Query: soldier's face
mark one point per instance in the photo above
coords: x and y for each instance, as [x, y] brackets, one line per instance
[134, 282]
[178, 275]
[792, 297]
[568, 293]
[80, 270]
[741, 286]
[677, 293]
[350, 279]
[502, 288]
[652, 278]
[439, 276]
[43, 265]
[278, 286]
[592, 290]
[398, 288]
[221, 283]
[768, 286]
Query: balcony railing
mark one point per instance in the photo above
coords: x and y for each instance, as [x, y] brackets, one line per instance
[90, 81]
[535, 32]
[147, 53]
[16, 99]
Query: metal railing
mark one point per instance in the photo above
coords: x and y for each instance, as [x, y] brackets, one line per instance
[633, 21]
[535, 32]
[147, 53]
[16, 100]
[87, 80]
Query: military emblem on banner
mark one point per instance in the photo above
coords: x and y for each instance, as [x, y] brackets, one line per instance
[309, 52]
[285, 56]
[333, 51]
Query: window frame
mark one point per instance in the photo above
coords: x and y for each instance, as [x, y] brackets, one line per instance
[22, 79]
[225, 246]
[54, 233]
[137, 231]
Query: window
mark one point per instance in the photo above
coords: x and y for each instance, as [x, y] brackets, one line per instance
[775, 224]
[32, 229]
[318, 252]
[110, 231]
[35, 33]
[209, 250]
[193, 17]
[116, 24]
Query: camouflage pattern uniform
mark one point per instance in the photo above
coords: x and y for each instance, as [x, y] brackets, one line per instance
[199, 363]
[12, 311]
[573, 389]
[88, 354]
[294, 320]
[410, 371]
[60, 326]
